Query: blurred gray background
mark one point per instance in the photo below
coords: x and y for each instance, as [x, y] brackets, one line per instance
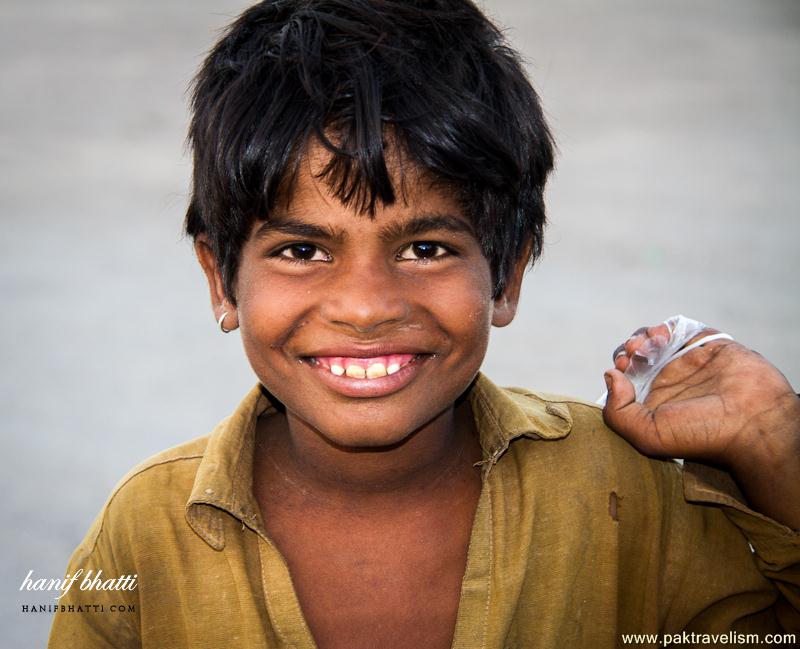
[676, 192]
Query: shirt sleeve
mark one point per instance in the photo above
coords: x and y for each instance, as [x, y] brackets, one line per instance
[101, 608]
[775, 547]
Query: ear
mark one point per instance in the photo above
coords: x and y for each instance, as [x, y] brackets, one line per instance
[505, 306]
[219, 302]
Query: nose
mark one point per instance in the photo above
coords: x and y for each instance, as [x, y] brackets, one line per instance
[364, 296]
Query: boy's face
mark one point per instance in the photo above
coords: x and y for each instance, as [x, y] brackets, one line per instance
[365, 329]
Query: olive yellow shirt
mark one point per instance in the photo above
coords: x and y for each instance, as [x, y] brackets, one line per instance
[577, 540]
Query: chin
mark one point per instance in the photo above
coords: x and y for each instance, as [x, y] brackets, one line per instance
[369, 438]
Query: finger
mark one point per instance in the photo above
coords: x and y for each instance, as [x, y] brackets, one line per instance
[634, 340]
[644, 342]
[621, 356]
[630, 420]
[621, 360]
[648, 341]
[660, 331]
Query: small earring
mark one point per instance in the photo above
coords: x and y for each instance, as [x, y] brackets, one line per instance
[221, 323]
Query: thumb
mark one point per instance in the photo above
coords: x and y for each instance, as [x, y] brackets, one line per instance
[630, 420]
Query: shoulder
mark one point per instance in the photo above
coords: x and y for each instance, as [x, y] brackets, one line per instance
[593, 469]
[169, 465]
[582, 419]
[588, 447]
[158, 487]
[577, 406]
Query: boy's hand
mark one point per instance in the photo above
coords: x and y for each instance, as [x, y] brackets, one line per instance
[721, 404]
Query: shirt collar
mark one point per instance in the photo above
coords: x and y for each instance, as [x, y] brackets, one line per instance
[505, 414]
[224, 479]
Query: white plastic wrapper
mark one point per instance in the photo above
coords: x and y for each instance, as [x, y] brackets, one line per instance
[657, 351]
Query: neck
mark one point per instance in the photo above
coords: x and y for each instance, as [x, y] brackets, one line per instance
[431, 456]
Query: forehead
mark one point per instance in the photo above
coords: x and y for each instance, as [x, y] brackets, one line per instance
[314, 188]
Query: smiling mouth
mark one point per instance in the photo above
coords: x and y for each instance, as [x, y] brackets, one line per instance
[373, 367]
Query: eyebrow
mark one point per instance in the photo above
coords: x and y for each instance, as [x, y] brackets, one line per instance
[299, 228]
[412, 227]
[427, 223]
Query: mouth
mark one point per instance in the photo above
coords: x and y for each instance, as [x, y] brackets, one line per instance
[367, 376]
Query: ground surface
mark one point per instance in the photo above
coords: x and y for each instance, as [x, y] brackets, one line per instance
[676, 191]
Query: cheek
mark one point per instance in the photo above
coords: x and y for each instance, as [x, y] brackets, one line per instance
[465, 306]
[268, 317]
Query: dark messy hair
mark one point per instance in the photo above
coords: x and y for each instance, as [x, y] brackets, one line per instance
[435, 75]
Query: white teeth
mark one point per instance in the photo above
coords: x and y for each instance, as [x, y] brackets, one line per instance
[356, 372]
[376, 370]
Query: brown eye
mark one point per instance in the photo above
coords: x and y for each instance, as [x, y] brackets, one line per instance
[303, 252]
[423, 250]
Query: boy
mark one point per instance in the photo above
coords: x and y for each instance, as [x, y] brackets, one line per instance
[367, 193]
